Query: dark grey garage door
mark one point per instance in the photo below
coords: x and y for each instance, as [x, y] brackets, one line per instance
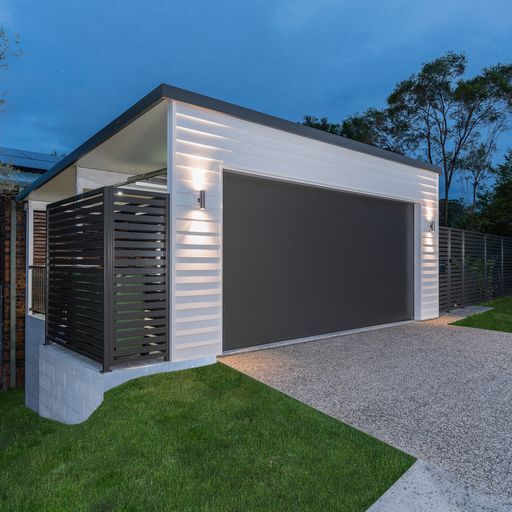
[302, 261]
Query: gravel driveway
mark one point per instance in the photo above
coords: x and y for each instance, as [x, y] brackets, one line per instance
[441, 393]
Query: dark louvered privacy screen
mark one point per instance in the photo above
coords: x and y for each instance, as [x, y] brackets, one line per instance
[107, 279]
[472, 267]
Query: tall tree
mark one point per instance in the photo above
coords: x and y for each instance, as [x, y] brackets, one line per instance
[439, 115]
[476, 166]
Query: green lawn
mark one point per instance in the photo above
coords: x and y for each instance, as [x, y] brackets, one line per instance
[208, 439]
[498, 319]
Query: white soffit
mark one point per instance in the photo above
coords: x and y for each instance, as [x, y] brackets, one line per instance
[140, 147]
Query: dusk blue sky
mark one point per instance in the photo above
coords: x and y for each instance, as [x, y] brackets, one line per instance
[84, 62]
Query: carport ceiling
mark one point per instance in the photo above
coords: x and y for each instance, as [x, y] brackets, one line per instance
[138, 148]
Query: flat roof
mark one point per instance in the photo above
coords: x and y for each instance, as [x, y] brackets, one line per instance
[165, 91]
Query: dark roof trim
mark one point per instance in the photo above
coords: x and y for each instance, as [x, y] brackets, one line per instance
[165, 91]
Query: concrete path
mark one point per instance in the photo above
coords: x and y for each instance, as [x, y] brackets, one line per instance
[424, 488]
[439, 392]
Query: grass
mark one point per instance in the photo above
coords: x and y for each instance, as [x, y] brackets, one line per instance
[208, 439]
[498, 319]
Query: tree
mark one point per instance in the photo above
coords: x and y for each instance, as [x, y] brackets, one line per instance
[476, 166]
[439, 115]
[456, 210]
[323, 124]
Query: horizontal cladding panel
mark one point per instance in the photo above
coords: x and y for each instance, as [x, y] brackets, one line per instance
[402, 188]
[189, 198]
[238, 132]
[196, 227]
[235, 130]
[265, 158]
[195, 350]
[189, 214]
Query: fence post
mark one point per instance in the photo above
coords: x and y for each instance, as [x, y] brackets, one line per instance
[502, 284]
[449, 264]
[463, 265]
[47, 277]
[168, 269]
[108, 277]
[485, 267]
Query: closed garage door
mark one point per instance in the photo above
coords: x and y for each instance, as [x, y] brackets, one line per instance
[303, 261]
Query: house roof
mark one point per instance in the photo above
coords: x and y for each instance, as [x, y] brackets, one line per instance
[16, 179]
[28, 160]
[165, 91]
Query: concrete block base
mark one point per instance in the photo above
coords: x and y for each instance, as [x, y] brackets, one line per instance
[71, 387]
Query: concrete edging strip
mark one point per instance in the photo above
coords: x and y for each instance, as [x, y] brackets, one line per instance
[425, 488]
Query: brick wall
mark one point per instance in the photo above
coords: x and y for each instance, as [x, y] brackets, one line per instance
[5, 261]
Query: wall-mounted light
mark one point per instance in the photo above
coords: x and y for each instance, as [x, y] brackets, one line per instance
[431, 226]
[201, 200]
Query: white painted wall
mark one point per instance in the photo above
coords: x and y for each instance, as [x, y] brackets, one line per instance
[202, 143]
[90, 179]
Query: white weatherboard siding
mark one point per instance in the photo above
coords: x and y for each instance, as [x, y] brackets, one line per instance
[203, 143]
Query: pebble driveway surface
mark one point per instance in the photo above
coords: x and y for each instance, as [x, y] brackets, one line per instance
[439, 392]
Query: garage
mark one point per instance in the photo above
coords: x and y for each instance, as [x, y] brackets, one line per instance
[301, 261]
[276, 231]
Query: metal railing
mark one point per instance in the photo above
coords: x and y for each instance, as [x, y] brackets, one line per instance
[473, 267]
[107, 275]
[38, 289]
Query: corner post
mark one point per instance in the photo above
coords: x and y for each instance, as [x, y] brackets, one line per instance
[171, 229]
[463, 265]
[450, 300]
[108, 277]
[502, 263]
[485, 268]
[47, 277]
[168, 248]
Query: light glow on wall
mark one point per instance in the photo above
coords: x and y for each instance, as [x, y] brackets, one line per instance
[198, 179]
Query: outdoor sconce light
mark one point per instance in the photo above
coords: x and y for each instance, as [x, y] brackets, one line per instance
[201, 200]
[431, 226]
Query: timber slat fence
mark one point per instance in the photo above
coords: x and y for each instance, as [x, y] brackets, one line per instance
[107, 275]
[472, 267]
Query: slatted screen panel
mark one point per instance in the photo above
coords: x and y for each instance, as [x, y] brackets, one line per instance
[507, 266]
[457, 267]
[75, 274]
[140, 306]
[473, 267]
[444, 269]
[493, 277]
[39, 239]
